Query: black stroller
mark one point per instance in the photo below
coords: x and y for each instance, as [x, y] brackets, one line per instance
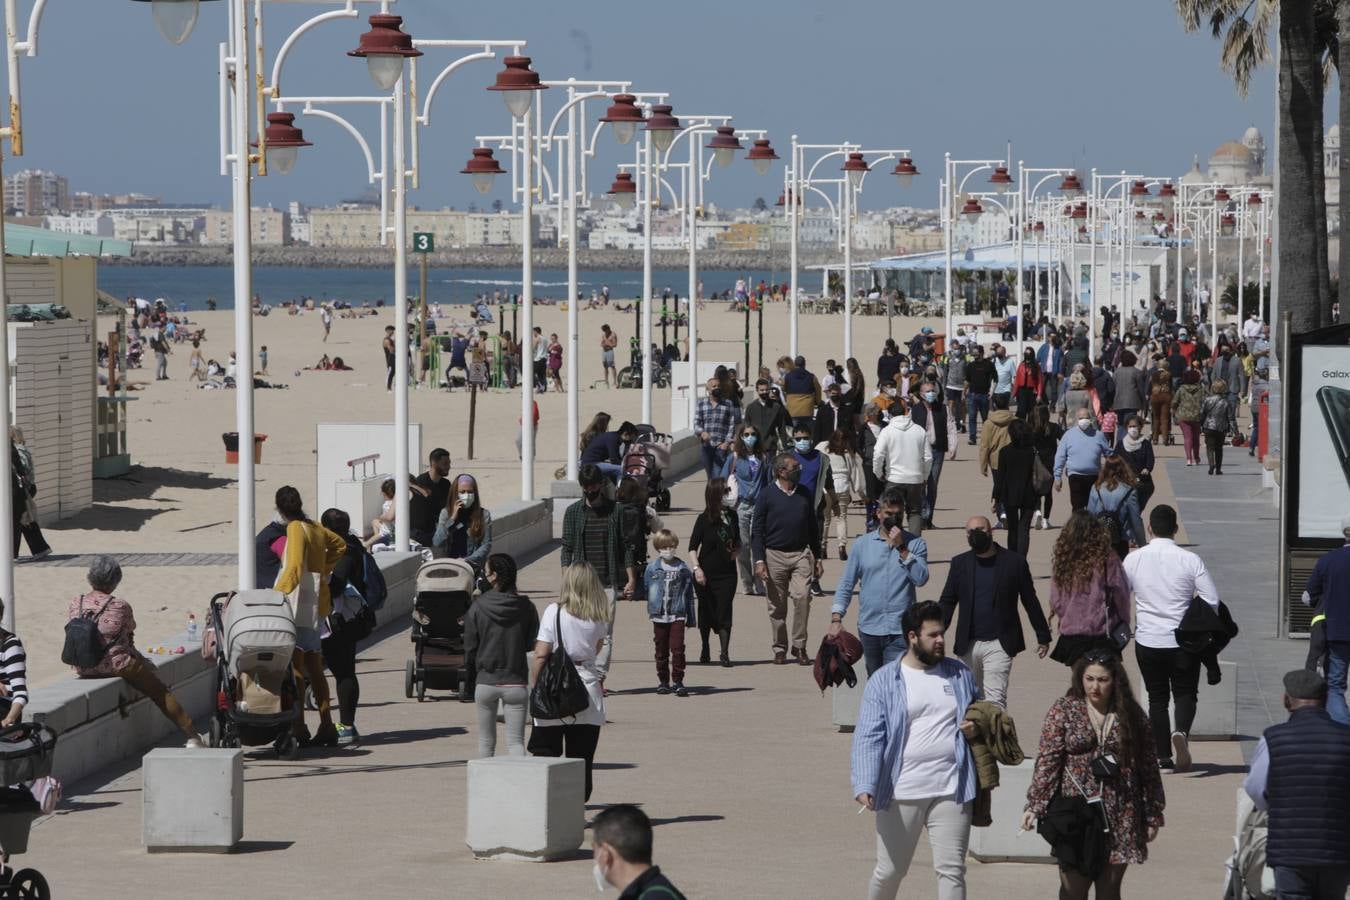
[646, 459]
[251, 637]
[444, 592]
[26, 751]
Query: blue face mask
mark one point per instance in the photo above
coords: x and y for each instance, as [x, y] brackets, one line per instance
[749, 440]
[802, 445]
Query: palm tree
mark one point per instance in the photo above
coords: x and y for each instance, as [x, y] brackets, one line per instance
[1307, 39]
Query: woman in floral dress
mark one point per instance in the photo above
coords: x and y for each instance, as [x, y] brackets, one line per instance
[1099, 713]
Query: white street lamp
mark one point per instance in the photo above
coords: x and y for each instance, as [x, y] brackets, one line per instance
[517, 83]
[384, 47]
[175, 19]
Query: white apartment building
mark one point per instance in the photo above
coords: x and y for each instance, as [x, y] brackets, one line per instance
[271, 227]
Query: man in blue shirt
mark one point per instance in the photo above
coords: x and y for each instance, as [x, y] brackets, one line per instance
[816, 478]
[891, 565]
[1329, 587]
[911, 760]
[1005, 370]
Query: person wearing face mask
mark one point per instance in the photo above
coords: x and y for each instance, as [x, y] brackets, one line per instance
[831, 416]
[499, 634]
[886, 395]
[668, 585]
[715, 422]
[1050, 357]
[1131, 391]
[817, 477]
[953, 383]
[1028, 385]
[911, 759]
[940, 429]
[748, 469]
[1079, 458]
[888, 364]
[980, 378]
[1005, 370]
[767, 415]
[987, 582]
[902, 459]
[1137, 451]
[464, 529]
[716, 539]
[621, 838]
[785, 545]
[594, 532]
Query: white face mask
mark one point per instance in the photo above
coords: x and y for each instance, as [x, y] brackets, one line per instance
[1085, 424]
[466, 498]
[1133, 432]
[668, 554]
[601, 884]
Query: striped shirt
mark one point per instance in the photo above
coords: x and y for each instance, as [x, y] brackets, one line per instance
[14, 669]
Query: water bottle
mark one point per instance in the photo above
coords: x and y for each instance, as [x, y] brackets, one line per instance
[192, 627]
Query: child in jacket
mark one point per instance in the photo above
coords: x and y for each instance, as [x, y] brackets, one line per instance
[669, 585]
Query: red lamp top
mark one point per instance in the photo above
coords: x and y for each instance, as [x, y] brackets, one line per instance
[1071, 184]
[1168, 191]
[1080, 211]
[856, 163]
[1254, 199]
[624, 108]
[386, 37]
[1038, 227]
[482, 163]
[972, 207]
[516, 75]
[1000, 177]
[661, 119]
[761, 150]
[725, 139]
[623, 184]
[1138, 190]
[1222, 196]
[282, 133]
[905, 167]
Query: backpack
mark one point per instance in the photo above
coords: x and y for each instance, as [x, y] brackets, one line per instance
[376, 588]
[1110, 518]
[84, 646]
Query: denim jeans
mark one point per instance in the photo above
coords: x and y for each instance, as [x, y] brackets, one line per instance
[879, 649]
[714, 458]
[612, 471]
[930, 495]
[977, 403]
[1338, 661]
[745, 515]
[1311, 882]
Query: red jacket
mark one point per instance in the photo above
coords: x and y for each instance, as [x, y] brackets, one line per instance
[1025, 379]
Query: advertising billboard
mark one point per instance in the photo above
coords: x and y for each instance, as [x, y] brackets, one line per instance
[1324, 441]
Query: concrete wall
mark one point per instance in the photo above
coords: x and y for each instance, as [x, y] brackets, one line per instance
[685, 456]
[102, 721]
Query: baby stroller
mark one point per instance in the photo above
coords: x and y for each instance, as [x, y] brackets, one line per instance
[251, 636]
[26, 750]
[655, 447]
[444, 592]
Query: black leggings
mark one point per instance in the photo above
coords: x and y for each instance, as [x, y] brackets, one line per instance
[1080, 486]
[1214, 441]
[339, 654]
[581, 740]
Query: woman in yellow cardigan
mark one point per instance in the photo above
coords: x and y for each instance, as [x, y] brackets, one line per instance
[307, 561]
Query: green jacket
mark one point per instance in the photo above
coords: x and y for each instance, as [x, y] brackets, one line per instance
[1187, 401]
[574, 540]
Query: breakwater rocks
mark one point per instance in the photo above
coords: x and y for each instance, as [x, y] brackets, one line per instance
[479, 258]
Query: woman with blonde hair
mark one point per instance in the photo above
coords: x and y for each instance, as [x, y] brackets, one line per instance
[1089, 590]
[1217, 419]
[579, 623]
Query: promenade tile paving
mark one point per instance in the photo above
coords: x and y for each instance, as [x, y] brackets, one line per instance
[747, 779]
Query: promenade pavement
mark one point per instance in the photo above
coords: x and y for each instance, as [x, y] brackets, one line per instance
[747, 780]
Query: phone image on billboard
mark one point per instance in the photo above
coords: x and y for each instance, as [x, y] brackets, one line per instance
[1335, 405]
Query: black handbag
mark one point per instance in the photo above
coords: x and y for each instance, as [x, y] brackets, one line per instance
[558, 692]
[84, 647]
[1119, 633]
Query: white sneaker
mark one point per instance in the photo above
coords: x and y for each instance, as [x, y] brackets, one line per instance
[1045, 523]
[200, 742]
[1037, 521]
[1181, 751]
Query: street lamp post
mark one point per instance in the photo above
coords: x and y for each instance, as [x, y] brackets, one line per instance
[950, 188]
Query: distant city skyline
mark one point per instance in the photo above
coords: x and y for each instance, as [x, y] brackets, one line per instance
[929, 77]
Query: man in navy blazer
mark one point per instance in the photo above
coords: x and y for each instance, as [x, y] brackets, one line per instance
[987, 582]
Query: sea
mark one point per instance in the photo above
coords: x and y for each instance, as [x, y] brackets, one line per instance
[191, 287]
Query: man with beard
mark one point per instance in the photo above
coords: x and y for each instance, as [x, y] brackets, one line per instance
[986, 582]
[911, 762]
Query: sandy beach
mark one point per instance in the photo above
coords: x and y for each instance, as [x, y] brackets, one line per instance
[180, 495]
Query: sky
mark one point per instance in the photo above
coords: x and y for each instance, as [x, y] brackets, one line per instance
[1077, 83]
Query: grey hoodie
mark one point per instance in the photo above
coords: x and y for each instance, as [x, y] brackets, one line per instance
[499, 629]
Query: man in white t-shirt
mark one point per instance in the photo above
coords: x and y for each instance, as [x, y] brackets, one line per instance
[1251, 329]
[911, 761]
[1165, 578]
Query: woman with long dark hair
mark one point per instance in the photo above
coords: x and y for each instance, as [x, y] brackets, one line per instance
[1045, 435]
[1097, 743]
[1028, 385]
[1137, 451]
[1088, 588]
[849, 483]
[715, 541]
[599, 425]
[464, 528]
[499, 633]
[1014, 492]
[1115, 498]
[748, 466]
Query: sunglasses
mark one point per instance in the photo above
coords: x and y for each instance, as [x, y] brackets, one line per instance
[1101, 656]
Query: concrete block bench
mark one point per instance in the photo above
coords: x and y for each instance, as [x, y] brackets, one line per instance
[192, 799]
[1004, 841]
[526, 807]
[845, 701]
[1216, 706]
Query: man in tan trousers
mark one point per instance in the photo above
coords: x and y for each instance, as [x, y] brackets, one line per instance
[785, 545]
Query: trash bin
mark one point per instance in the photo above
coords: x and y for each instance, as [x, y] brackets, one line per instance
[231, 439]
